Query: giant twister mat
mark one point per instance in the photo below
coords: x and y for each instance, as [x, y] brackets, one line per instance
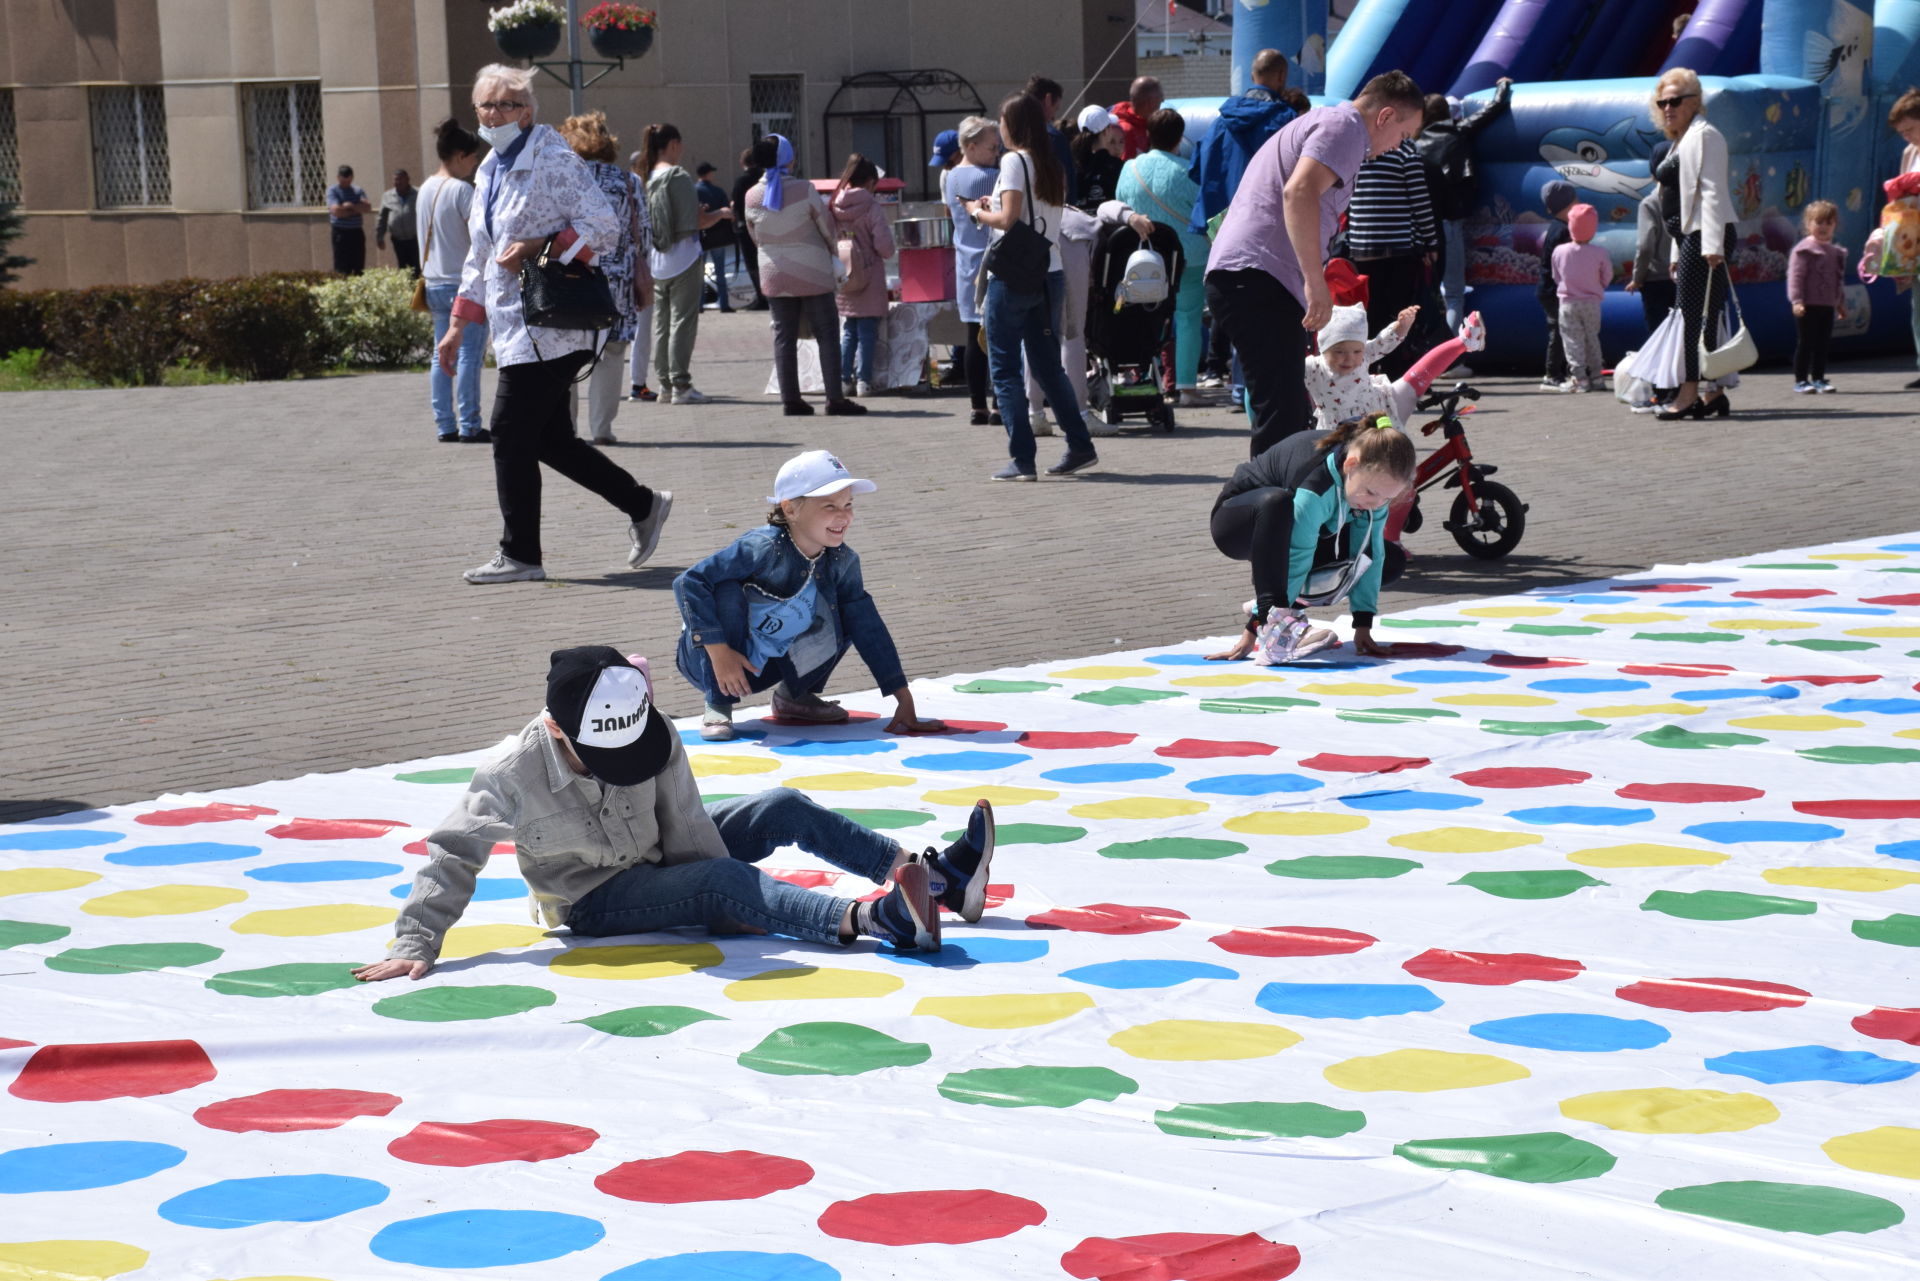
[1572, 941]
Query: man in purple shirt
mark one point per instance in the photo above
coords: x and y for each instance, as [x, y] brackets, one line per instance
[1266, 277]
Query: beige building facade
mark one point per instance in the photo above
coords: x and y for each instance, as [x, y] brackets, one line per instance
[153, 139]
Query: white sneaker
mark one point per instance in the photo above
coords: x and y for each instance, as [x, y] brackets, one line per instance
[1212, 382]
[1568, 387]
[1097, 426]
[1278, 638]
[645, 534]
[717, 726]
[1822, 386]
[1548, 384]
[1803, 387]
[666, 395]
[1041, 424]
[863, 389]
[1473, 332]
[1189, 399]
[691, 396]
[1458, 373]
[505, 569]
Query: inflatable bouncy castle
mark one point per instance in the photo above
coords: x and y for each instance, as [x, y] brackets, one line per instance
[1800, 88]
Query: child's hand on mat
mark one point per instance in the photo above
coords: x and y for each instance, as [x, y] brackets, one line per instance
[730, 670]
[1363, 643]
[1405, 320]
[907, 721]
[392, 970]
[1236, 651]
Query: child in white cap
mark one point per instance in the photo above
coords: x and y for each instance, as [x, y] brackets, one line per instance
[1343, 390]
[780, 605]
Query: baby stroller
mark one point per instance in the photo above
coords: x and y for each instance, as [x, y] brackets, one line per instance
[1125, 338]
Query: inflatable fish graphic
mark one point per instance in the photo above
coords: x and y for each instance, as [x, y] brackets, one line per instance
[1313, 55]
[1581, 156]
[1825, 56]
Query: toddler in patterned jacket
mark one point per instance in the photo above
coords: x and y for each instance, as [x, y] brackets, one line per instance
[1343, 390]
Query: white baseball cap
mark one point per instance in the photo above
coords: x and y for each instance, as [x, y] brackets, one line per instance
[1095, 119]
[815, 474]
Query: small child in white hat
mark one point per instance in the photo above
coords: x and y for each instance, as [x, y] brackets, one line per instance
[1343, 390]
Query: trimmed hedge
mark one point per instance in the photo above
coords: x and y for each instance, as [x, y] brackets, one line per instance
[260, 327]
[118, 333]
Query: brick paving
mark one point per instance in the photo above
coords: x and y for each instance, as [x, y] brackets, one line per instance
[216, 586]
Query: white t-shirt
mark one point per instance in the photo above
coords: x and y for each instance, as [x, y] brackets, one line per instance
[449, 201]
[1014, 168]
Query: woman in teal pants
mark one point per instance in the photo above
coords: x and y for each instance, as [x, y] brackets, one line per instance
[1156, 184]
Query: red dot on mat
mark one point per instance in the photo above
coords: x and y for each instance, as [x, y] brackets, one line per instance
[278, 1111]
[805, 878]
[704, 1176]
[1521, 776]
[931, 1218]
[1688, 793]
[113, 1070]
[1659, 587]
[1890, 1024]
[218, 812]
[1200, 749]
[1489, 969]
[1713, 995]
[8, 1043]
[1333, 763]
[1070, 739]
[1530, 662]
[1888, 808]
[1693, 671]
[1783, 593]
[333, 829]
[1822, 680]
[1107, 918]
[1904, 598]
[1191, 1256]
[488, 1142]
[1293, 940]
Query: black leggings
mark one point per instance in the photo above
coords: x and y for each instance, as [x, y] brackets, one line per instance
[1815, 330]
[1701, 295]
[974, 362]
[1257, 527]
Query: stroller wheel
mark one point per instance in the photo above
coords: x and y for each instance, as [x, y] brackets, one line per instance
[1111, 413]
[1164, 419]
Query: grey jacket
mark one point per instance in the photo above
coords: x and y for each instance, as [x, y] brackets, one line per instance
[572, 834]
[1653, 252]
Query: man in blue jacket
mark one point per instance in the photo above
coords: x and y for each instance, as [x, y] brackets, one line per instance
[1243, 125]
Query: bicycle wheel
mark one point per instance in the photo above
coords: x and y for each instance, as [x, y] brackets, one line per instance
[1497, 529]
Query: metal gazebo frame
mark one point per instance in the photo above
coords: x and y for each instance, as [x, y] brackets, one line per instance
[904, 94]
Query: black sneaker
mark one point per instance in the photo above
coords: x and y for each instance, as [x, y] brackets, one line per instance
[959, 872]
[797, 409]
[481, 437]
[448, 437]
[1071, 462]
[844, 408]
[906, 917]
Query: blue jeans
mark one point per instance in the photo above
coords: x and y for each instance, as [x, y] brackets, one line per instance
[1454, 281]
[473, 351]
[1030, 321]
[862, 333]
[725, 894]
[718, 257]
[697, 666]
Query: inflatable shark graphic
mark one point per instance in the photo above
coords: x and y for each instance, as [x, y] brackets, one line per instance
[1581, 157]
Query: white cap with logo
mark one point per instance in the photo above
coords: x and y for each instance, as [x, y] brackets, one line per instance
[1095, 119]
[815, 474]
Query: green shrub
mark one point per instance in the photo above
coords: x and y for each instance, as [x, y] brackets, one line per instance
[22, 319]
[260, 327]
[118, 334]
[369, 320]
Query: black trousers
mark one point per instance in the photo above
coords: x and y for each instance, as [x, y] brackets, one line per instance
[746, 247]
[1263, 322]
[1393, 285]
[1557, 370]
[1257, 527]
[823, 318]
[1656, 300]
[973, 361]
[1815, 331]
[349, 250]
[533, 424]
[406, 253]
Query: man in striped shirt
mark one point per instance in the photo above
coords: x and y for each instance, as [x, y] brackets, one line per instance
[1394, 240]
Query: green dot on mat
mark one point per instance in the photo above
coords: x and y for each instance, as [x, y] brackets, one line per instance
[1525, 1158]
[1824, 645]
[1394, 715]
[1726, 905]
[1005, 687]
[1425, 622]
[708, 798]
[1860, 755]
[1898, 569]
[1342, 867]
[1036, 1087]
[831, 1049]
[461, 1004]
[885, 820]
[1785, 1207]
[132, 958]
[436, 776]
[1544, 883]
[648, 1020]
[1555, 629]
[1539, 729]
[1258, 1121]
[1027, 834]
[294, 979]
[17, 933]
[1810, 564]
[1254, 706]
[1125, 696]
[1675, 737]
[1899, 929]
[1690, 638]
[1173, 847]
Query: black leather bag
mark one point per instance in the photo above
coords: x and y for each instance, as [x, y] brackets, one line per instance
[1020, 258]
[565, 295]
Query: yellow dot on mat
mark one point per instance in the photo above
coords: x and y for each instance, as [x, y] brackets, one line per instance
[1888, 632]
[1510, 611]
[476, 940]
[1295, 823]
[1007, 1010]
[1906, 733]
[1463, 840]
[1889, 1149]
[1423, 1071]
[636, 960]
[1226, 678]
[1646, 856]
[43, 880]
[1804, 724]
[1617, 710]
[1200, 1041]
[709, 764]
[1762, 624]
[1097, 672]
[1634, 616]
[998, 795]
[1667, 1111]
[1496, 700]
[1858, 556]
[1138, 807]
[812, 983]
[1866, 880]
[306, 922]
[68, 1260]
[852, 781]
[168, 900]
[1355, 689]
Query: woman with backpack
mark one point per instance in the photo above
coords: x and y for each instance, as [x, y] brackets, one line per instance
[865, 243]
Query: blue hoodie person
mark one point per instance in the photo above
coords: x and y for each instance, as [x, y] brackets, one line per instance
[1243, 126]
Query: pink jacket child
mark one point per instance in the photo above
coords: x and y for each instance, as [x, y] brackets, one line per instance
[857, 213]
[1581, 272]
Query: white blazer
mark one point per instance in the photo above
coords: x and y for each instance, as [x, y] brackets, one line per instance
[1706, 200]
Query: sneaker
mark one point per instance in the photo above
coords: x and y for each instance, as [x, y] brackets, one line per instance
[1040, 423]
[1912, 386]
[1071, 462]
[1822, 386]
[633, 392]
[645, 534]
[716, 726]
[1459, 373]
[796, 409]
[810, 708]
[1013, 471]
[1803, 387]
[1212, 382]
[958, 874]
[605, 440]
[845, 408]
[690, 396]
[1277, 640]
[995, 420]
[448, 437]
[1101, 427]
[505, 569]
[1473, 332]
[481, 437]
[1189, 399]
[863, 389]
[1314, 641]
[646, 393]
[1549, 384]
[906, 916]
[980, 417]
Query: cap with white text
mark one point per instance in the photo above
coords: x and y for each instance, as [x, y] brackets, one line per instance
[604, 705]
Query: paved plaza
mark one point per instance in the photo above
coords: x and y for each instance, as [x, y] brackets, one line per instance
[218, 586]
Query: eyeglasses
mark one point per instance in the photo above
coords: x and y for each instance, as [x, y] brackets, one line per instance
[1668, 104]
[498, 106]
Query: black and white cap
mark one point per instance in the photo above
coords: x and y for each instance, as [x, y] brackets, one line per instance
[603, 705]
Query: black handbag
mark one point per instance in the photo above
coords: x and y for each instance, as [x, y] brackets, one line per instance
[1020, 259]
[565, 295]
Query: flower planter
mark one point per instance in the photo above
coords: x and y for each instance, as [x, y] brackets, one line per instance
[533, 40]
[613, 42]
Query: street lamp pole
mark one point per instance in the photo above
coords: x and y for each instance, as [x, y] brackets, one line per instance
[575, 83]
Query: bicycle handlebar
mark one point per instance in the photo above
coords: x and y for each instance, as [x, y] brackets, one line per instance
[1449, 399]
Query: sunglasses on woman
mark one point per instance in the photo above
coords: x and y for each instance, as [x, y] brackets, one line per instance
[1668, 104]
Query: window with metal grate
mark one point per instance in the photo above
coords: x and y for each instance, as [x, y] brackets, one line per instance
[130, 166]
[9, 150]
[774, 106]
[286, 147]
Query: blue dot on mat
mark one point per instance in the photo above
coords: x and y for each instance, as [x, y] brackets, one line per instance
[277, 1198]
[69, 819]
[70, 1167]
[1346, 1000]
[56, 840]
[727, 1265]
[484, 1238]
[1709, 695]
[1409, 800]
[832, 747]
[1254, 784]
[1899, 849]
[487, 889]
[1102, 773]
[691, 737]
[1813, 1063]
[1593, 1033]
[1738, 831]
[1882, 706]
[964, 760]
[1845, 609]
[337, 869]
[1181, 660]
[1696, 603]
[1585, 685]
[1590, 598]
[974, 951]
[188, 852]
[1146, 973]
[1900, 547]
[1585, 815]
[1448, 676]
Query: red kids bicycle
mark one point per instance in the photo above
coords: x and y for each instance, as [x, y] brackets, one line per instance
[1487, 518]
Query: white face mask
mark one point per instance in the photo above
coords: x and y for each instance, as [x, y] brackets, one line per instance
[500, 137]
